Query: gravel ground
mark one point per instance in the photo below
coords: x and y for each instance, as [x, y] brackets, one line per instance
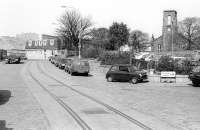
[18, 108]
[177, 105]
[162, 106]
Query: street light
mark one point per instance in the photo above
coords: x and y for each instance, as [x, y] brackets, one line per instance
[79, 45]
[172, 38]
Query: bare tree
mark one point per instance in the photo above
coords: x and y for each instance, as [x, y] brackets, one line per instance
[73, 27]
[190, 29]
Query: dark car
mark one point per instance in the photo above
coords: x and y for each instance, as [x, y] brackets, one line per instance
[194, 76]
[13, 59]
[125, 73]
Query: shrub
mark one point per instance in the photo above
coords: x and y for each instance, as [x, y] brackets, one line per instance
[166, 63]
[90, 52]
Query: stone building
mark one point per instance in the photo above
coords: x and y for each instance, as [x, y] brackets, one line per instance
[170, 40]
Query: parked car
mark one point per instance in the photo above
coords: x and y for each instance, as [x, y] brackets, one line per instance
[50, 58]
[68, 64]
[194, 76]
[13, 59]
[62, 62]
[125, 73]
[53, 59]
[57, 60]
[79, 66]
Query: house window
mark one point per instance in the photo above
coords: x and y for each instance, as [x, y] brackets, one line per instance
[40, 43]
[51, 42]
[169, 20]
[36, 43]
[44, 42]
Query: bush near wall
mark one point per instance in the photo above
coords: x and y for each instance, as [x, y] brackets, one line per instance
[90, 52]
[166, 63]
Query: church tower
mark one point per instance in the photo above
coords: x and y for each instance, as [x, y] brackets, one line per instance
[169, 30]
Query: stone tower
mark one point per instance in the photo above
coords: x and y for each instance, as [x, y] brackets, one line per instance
[169, 30]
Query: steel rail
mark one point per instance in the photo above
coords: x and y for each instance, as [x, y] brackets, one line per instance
[74, 115]
[132, 120]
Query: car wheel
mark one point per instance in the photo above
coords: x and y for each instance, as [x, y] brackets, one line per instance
[72, 73]
[134, 80]
[195, 84]
[86, 74]
[109, 79]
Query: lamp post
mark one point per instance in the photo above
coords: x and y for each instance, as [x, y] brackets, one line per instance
[172, 38]
[79, 46]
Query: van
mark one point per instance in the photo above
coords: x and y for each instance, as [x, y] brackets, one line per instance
[79, 66]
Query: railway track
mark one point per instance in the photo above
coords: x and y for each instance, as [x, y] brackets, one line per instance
[74, 115]
[127, 117]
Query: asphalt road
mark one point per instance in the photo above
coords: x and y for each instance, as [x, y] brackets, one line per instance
[39, 96]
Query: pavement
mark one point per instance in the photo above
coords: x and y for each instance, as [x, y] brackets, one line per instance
[18, 108]
[161, 106]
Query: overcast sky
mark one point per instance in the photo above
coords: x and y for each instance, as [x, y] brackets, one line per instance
[39, 16]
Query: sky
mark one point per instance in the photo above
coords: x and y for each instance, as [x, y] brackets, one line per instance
[40, 16]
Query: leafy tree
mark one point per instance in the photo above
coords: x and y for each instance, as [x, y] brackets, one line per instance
[72, 26]
[190, 29]
[118, 35]
[138, 39]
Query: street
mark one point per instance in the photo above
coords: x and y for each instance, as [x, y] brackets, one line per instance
[36, 95]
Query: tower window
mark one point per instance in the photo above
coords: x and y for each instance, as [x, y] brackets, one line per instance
[159, 48]
[169, 20]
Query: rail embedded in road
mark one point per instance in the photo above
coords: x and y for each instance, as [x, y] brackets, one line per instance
[123, 115]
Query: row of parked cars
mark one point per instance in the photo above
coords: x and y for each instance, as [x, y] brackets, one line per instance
[71, 65]
[115, 73]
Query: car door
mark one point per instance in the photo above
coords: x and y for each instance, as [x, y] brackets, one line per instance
[114, 72]
[123, 73]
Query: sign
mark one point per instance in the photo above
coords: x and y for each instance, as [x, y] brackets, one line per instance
[168, 74]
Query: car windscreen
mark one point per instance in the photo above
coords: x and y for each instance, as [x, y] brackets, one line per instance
[64, 60]
[84, 63]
